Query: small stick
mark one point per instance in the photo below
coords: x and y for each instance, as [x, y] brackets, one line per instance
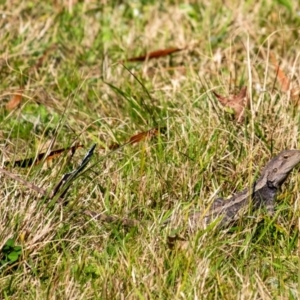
[24, 182]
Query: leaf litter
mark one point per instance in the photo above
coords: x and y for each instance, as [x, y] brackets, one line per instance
[238, 103]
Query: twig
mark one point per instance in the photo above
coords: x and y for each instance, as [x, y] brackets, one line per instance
[24, 182]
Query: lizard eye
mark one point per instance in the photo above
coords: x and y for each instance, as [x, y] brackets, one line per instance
[275, 170]
[285, 156]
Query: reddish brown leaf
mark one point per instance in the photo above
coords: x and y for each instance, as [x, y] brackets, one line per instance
[282, 78]
[144, 135]
[238, 103]
[155, 54]
[14, 101]
[137, 138]
[28, 162]
[285, 83]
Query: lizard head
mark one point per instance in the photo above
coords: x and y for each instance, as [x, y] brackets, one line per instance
[278, 168]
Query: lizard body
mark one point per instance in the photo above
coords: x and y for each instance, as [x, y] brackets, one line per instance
[261, 194]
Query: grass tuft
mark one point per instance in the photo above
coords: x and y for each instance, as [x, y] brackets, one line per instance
[67, 62]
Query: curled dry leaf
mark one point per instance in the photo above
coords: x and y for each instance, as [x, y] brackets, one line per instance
[15, 100]
[139, 137]
[155, 54]
[145, 135]
[285, 83]
[238, 103]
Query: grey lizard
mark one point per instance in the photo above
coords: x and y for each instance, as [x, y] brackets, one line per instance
[261, 194]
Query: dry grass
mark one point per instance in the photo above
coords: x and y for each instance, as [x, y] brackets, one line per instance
[64, 58]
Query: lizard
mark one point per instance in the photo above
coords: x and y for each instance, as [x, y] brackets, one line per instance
[261, 194]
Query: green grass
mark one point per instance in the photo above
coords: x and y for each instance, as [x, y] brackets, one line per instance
[81, 93]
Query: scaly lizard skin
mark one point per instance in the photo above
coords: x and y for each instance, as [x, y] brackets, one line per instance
[262, 193]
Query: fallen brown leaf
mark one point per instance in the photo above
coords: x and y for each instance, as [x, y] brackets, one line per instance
[144, 135]
[285, 83]
[282, 78]
[238, 103]
[155, 54]
[14, 101]
[138, 138]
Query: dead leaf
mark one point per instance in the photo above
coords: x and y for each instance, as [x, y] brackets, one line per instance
[14, 101]
[28, 162]
[145, 135]
[282, 78]
[138, 138]
[285, 83]
[155, 54]
[238, 103]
